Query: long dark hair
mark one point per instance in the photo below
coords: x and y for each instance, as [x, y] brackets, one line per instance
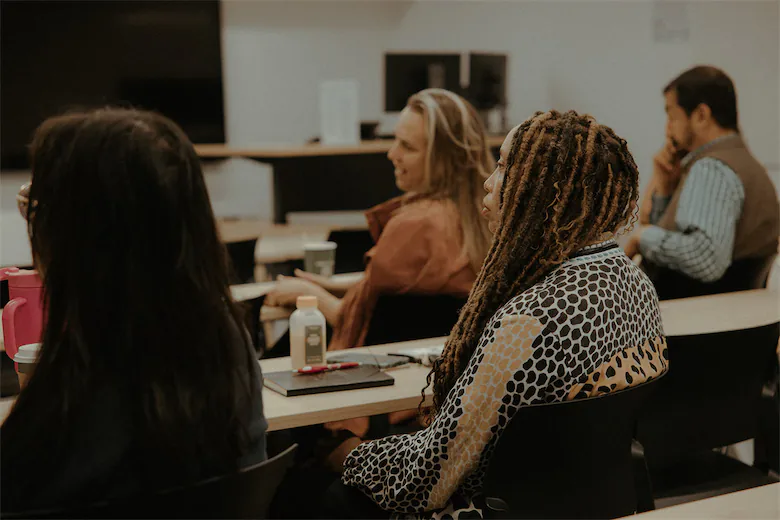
[569, 181]
[137, 295]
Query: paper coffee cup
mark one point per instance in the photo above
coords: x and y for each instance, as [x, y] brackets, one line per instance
[26, 357]
[319, 258]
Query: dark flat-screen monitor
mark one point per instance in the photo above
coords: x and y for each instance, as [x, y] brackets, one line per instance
[407, 74]
[62, 55]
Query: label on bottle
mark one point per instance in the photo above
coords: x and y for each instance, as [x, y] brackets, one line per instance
[314, 346]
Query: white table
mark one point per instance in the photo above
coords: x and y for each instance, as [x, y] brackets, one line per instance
[720, 312]
[248, 291]
[689, 316]
[761, 502]
[291, 412]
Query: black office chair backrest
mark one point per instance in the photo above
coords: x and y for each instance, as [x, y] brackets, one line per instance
[570, 459]
[245, 494]
[710, 397]
[742, 275]
[404, 317]
[761, 278]
[352, 246]
[242, 260]
[252, 309]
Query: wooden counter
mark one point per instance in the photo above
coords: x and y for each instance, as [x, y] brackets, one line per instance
[316, 177]
[223, 151]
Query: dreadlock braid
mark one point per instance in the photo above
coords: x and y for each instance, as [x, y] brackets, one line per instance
[569, 182]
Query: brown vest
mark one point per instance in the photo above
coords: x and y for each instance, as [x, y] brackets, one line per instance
[758, 226]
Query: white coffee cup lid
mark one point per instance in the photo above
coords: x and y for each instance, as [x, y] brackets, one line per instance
[320, 246]
[27, 353]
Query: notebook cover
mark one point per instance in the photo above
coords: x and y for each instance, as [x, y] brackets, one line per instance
[291, 384]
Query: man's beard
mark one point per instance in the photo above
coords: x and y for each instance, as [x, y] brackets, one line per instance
[682, 148]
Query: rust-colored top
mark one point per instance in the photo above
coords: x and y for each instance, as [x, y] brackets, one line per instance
[419, 249]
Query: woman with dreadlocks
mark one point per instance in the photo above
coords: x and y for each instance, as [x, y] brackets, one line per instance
[558, 312]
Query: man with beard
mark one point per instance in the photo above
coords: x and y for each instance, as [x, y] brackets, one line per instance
[710, 218]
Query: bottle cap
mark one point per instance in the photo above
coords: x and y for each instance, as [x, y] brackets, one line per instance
[306, 302]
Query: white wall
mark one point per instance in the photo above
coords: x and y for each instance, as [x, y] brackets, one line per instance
[592, 56]
[236, 187]
[14, 248]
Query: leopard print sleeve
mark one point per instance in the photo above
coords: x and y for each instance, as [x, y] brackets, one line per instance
[421, 471]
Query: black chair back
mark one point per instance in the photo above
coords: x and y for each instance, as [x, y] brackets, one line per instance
[761, 278]
[245, 494]
[571, 459]
[352, 246]
[711, 396]
[242, 259]
[767, 444]
[742, 275]
[253, 309]
[404, 317]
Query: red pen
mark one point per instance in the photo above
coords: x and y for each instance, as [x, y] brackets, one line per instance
[316, 369]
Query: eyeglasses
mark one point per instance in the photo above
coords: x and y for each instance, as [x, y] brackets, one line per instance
[23, 200]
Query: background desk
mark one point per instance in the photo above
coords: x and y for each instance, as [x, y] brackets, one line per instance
[316, 177]
[761, 502]
[720, 312]
[314, 222]
[262, 249]
[249, 291]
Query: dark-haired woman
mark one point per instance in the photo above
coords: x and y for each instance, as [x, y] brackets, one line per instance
[146, 378]
[557, 313]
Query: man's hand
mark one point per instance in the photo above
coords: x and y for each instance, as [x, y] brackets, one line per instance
[632, 246]
[666, 169]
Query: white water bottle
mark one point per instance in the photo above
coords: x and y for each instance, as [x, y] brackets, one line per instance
[307, 334]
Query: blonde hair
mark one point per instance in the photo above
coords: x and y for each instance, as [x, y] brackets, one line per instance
[458, 161]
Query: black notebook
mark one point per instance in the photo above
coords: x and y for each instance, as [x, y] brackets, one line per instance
[289, 383]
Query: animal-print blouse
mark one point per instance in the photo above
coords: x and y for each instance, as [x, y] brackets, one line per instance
[591, 327]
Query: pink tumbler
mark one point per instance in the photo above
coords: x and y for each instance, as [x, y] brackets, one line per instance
[23, 314]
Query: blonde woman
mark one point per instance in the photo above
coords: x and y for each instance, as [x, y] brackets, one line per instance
[432, 239]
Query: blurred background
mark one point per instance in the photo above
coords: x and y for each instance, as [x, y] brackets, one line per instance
[248, 72]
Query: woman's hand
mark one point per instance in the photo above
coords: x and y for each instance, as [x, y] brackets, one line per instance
[317, 279]
[336, 458]
[288, 289]
[358, 426]
[337, 287]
